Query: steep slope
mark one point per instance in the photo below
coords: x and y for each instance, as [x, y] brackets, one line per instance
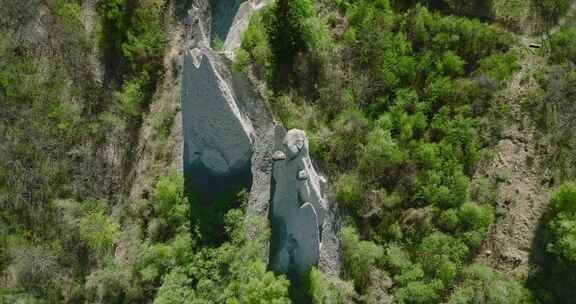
[521, 176]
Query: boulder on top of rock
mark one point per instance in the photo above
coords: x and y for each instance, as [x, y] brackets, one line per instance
[298, 206]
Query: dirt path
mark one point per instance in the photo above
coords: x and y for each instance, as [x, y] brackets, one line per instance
[523, 178]
[88, 15]
[523, 183]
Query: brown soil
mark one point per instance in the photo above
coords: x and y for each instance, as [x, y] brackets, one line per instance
[522, 181]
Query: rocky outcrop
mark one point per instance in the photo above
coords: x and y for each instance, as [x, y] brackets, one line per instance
[223, 15]
[218, 137]
[240, 24]
[298, 205]
[231, 138]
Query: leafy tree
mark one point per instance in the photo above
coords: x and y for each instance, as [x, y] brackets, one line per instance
[482, 285]
[563, 223]
[359, 257]
[349, 190]
[380, 153]
[232, 273]
[474, 221]
[419, 293]
[98, 231]
[289, 34]
[442, 255]
[329, 290]
[563, 45]
[176, 289]
[553, 9]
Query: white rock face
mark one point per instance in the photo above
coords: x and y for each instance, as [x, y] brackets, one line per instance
[298, 206]
[240, 24]
[231, 137]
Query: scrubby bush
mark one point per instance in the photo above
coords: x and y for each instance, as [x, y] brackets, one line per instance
[419, 293]
[256, 47]
[234, 272]
[381, 153]
[69, 11]
[563, 223]
[170, 203]
[553, 9]
[349, 190]
[176, 288]
[328, 290]
[482, 285]
[359, 257]
[563, 45]
[130, 97]
[98, 231]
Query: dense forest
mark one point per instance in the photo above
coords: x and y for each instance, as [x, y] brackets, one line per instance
[444, 128]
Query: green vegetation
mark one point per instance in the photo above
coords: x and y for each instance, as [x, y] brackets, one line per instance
[551, 105]
[359, 257]
[562, 225]
[232, 273]
[329, 290]
[563, 45]
[480, 284]
[553, 9]
[551, 279]
[400, 99]
[396, 112]
[131, 37]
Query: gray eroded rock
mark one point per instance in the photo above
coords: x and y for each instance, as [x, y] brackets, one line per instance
[279, 155]
[218, 137]
[230, 136]
[298, 206]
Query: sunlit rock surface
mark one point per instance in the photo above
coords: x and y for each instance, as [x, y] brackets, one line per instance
[298, 206]
[240, 24]
[231, 140]
[219, 136]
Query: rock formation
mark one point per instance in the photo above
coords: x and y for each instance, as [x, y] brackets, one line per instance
[218, 137]
[231, 139]
[298, 205]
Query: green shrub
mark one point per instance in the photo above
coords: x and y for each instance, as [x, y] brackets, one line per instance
[318, 287]
[563, 45]
[474, 221]
[256, 46]
[510, 12]
[234, 272]
[349, 190]
[553, 9]
[563, 223]
[442, 256]
[69, 11]
[359, 257]
[499, 67]
[176, 288]
[419, 293]
[131, 97]
[482, 285]
[98, 232]
[380, 153]
[109, 284]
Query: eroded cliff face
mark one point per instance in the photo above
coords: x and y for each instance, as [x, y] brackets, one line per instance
[298, 205]
[231, 140]
[218, 137]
